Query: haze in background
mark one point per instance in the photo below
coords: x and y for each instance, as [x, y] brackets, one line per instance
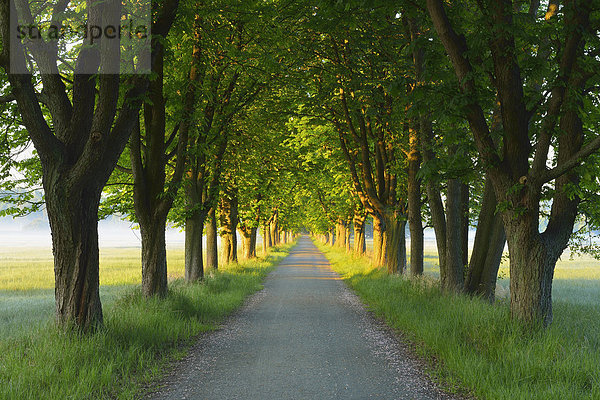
[34, 231]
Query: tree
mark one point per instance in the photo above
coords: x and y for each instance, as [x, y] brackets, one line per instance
[531, 125]
[150, 153]
[79, 144]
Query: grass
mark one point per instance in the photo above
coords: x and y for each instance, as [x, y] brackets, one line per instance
[139, 338]
[476, 346]
[27, 283]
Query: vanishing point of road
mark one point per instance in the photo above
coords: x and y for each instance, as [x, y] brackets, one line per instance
[304, 336]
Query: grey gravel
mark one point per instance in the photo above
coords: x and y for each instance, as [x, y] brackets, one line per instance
[304, 336]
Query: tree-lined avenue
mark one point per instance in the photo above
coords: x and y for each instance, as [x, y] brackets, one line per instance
[305, 336]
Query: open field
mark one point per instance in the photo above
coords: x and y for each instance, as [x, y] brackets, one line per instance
[576, 281]
[474, 345]
[27, 283]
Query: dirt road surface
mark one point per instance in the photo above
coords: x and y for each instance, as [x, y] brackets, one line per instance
[304, 336]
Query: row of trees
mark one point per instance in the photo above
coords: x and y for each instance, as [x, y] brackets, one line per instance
[474, 107]
[183, 144]
[274, 116]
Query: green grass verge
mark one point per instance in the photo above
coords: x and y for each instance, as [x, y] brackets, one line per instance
[474, 345]
[139, 338]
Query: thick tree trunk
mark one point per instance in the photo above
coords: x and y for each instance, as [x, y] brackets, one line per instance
[194, 268]
[379, 249]
[340, 234]
[359, 233]
[395, 245]
[74, 224]
[154, 258]
[452, 275]
[248, 242]
[487, 248]
[228, 245]
[229, 222]
[212, 248]
[531, 272]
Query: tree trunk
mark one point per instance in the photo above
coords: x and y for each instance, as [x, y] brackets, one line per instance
[248, 242]
[487, 248]
[434, 197]
[378, 241]
[229, 222]
[228, 245]
[531, 272]
[154, 258]
[253, 236]
[74, 224]
[194, 268]
[274, 229]
[326, 238]
[464, 190]
[340, 234]
[452, 275]
[359, 233]
[347, 238]
[395, 244]
[266, 238]
[415, 224]
[212, 248]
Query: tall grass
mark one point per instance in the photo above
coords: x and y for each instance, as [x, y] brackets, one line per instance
[476, 345]
[139, 337]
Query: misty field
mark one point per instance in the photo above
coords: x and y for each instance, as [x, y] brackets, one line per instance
[27, 282]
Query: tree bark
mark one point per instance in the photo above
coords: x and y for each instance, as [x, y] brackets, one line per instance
[274, 229]
[74, 221]
[464, 190]
[434, 196]
[347, 238]
[266, 238]
[395, 244]
[341, 234]
[452, 275]
[415, 224]
[154, 258]
[253, 240]
[248, 242]
[212, 248]
[359, 233]
[487, 248]
[229, 222]
[194, 267]
[378, 241]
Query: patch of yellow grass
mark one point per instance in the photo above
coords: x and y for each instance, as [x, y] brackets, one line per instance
[32, 268]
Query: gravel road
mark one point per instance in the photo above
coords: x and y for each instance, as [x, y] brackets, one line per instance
[304, 336]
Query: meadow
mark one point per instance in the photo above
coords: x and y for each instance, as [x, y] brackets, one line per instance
[474, 347]
[27, 282]
[139, 338]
